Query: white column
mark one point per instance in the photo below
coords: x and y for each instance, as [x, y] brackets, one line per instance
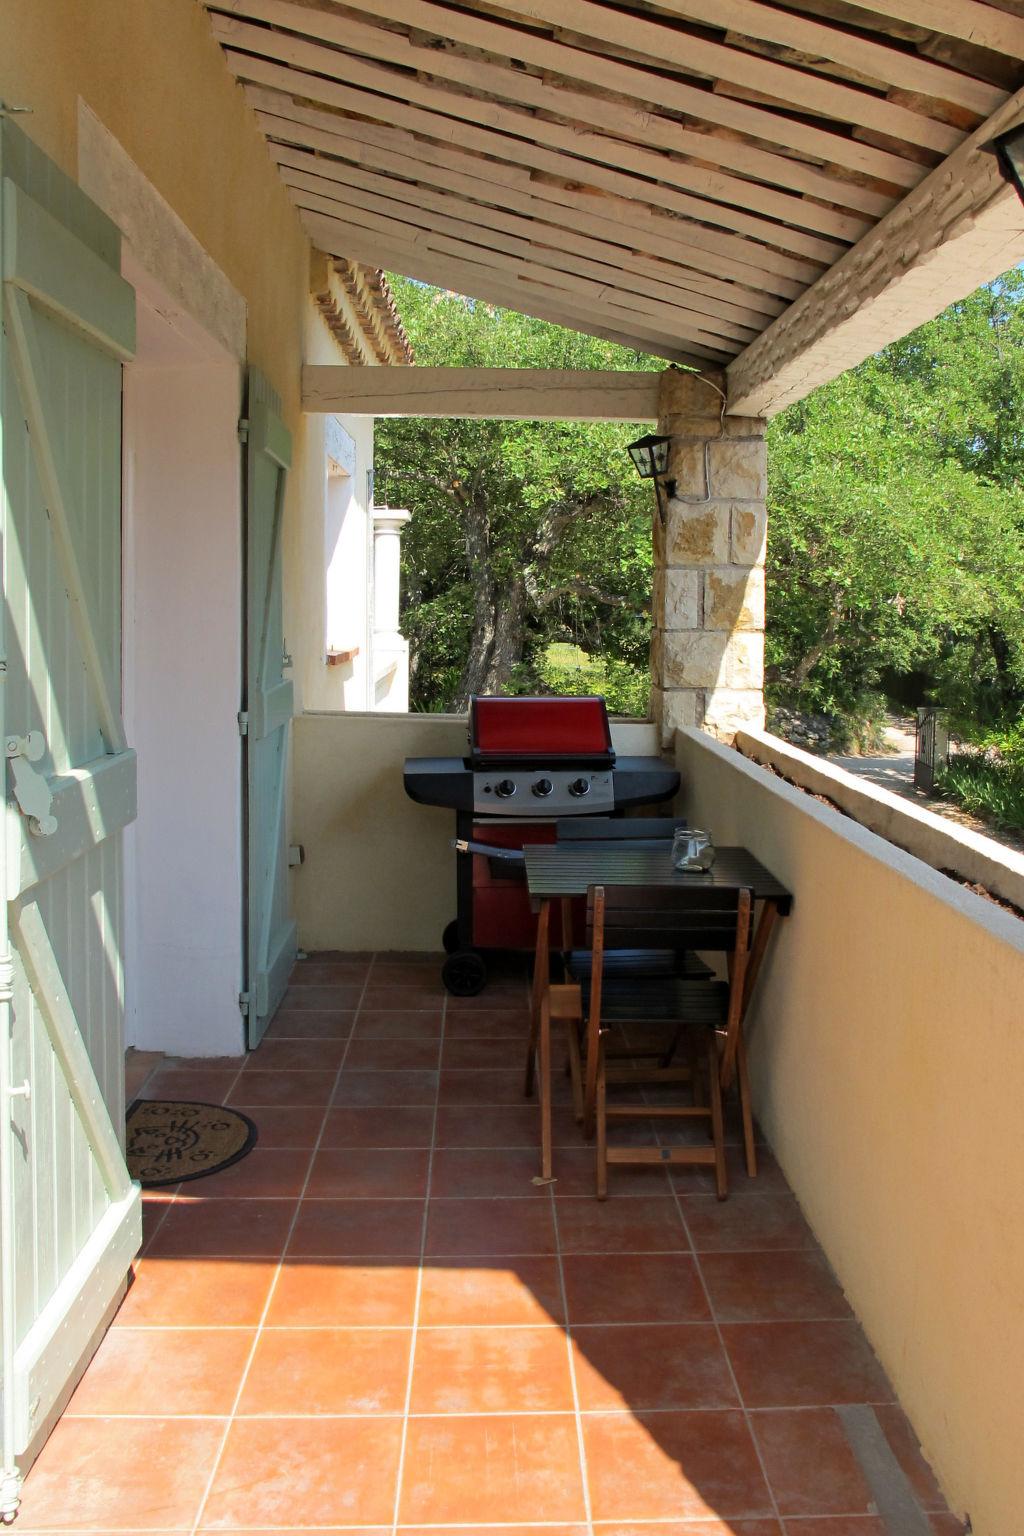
[390, 648]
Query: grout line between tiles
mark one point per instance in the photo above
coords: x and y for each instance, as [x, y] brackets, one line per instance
[273, 1286]
[419, 1292]
[728, 1361]
[580, 1440]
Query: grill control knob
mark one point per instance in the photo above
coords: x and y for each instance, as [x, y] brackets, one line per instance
[543, 787]
[579, 787]
[504, 788]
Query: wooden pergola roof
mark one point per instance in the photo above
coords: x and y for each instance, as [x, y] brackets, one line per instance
[674, 175]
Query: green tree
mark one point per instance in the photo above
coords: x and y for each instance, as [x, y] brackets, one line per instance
[896, 520]
[523, 532]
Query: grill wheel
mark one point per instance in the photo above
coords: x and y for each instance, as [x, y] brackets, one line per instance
[464, 973]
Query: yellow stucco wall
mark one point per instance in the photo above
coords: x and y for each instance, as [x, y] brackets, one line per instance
[152, 73]
[888, 1061]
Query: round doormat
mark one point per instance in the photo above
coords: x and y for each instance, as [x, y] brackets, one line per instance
[172, 1140]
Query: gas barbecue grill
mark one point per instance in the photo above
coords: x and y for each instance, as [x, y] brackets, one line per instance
[531, 762]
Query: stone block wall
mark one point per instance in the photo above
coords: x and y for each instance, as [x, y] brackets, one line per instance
[707, 647]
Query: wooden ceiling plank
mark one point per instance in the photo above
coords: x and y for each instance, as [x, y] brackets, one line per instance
[963, 226]
[577, 210]
[695, 55]
[627, 80]
[485, 284]
[889, 66]
[404, 224]
[304, 54]
[549, 242]
[495, 394]
[983, 25]
[609, 117]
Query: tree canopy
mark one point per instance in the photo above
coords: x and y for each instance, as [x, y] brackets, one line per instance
[896, 521]
[524, 532]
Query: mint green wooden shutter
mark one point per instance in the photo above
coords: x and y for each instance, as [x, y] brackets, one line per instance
[271, 941]
[69, 322]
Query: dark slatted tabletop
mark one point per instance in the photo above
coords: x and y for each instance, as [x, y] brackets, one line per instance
[566, 869]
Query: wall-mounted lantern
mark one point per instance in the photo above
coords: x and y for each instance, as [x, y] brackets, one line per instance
[650, 460]
[1009, 148]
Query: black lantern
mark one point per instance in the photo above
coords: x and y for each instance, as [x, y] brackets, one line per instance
[650, 460]
[1009, 150]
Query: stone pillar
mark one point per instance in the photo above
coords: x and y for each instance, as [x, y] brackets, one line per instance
[707, 646]
[390, 648]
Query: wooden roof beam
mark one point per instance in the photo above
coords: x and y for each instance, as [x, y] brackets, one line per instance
[478, 282]
[961, 227]
[496, 394]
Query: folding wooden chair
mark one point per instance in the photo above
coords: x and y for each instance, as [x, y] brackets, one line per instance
[629, 1031]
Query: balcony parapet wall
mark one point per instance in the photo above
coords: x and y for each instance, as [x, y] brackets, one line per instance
[707, 647]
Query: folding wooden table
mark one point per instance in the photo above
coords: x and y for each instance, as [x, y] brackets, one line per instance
[560, 871]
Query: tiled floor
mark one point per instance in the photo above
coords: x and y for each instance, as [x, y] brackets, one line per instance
[378, 1322]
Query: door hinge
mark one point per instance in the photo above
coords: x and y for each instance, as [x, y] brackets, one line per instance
[243, 722]
[243, 1003]
[31, 789]
[243, 429]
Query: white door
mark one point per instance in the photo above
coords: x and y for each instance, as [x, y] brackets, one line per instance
[71, 1214]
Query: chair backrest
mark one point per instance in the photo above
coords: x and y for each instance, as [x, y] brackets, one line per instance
[606, 829]
[702, 917]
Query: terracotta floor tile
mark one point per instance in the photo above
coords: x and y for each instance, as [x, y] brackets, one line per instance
[810, 1463]
[321, 1024]
[124, 1474]
[393, 1055]
[494, 1530]
[493, 1054]
[900, 1434]
[419, 970]
[358, 1172]
[485, 1087]
[400, 1024]
[868, 1525]
[298, 1090]
[769, 1179]
[307, 1055]
[368, 1090]
[164, 1371]
[620, 1225]
[746, 1222]
[286, 1127]
[791, 1365]
[634, 1288]
[209, 1086]
[491, 1370]
[154, 1212]
[772, 1287]
[233, 1063]
[329, 973]
[197, 1293]
[270, 1172]
[396, 1126]
[341, 995]
[648, 1366]
[692, 1528]
[576, 1172]
[504, 1125]
[391, 996]
[328, 1371]
[460, 1172]
[472, 1470]
[358, 1229]
[305, 1472]
[488, 1024]
[224, 1229]
[489, 1227]
[343, 1294]
[490, 1291]
[666, 1466]
[497, 994]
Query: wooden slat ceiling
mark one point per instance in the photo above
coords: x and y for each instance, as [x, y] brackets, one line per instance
[669, 175]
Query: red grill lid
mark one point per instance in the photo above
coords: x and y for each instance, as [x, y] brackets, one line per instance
[539, 728]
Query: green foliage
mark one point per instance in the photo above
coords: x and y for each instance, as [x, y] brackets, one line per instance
[988, 784]
[565, 669]
[523, 533]
[896, 520]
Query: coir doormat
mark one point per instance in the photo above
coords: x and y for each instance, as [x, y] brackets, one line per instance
[172, 1140]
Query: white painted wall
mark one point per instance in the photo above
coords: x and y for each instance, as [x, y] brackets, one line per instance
[182, 672]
